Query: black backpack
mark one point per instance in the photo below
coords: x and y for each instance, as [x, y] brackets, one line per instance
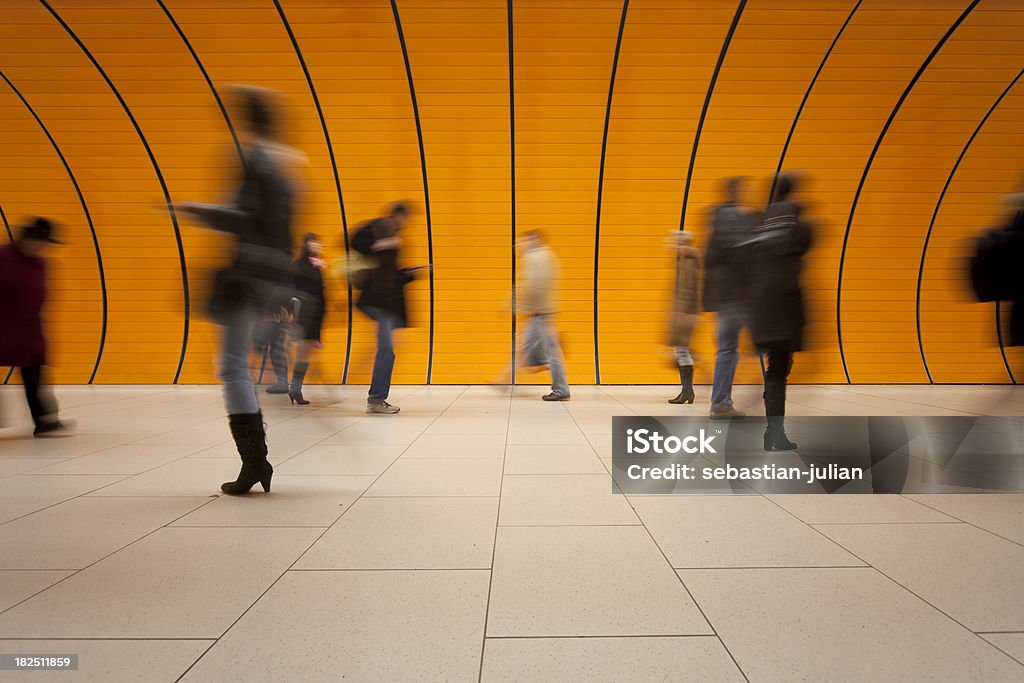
[992, 267]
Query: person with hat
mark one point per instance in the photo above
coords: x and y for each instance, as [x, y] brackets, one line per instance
[22, 344]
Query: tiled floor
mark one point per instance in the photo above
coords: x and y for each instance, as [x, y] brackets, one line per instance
[476, 536]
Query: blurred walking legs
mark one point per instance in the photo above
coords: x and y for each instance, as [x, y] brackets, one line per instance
[731, 319]
[383, 363]
[684, 361]
[780, 362]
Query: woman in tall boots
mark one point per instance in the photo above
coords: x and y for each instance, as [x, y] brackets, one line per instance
[259, 283]
[779, 244]
[309, 285]
[684, 312]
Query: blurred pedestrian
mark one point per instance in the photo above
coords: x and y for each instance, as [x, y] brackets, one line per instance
[684, 312]
[383, 296]
[22, 342]
[727, 289]
[538, 302]
[309, 286]
[779, 244]
[259, 283]
[271, 336]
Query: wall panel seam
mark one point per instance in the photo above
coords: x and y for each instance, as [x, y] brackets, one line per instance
[867, 169]
[88, 219]
[334, 168]
[931, 226]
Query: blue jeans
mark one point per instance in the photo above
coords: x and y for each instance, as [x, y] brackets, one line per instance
[551, 350]
[239, 394]
[384, 362]
[731, 319]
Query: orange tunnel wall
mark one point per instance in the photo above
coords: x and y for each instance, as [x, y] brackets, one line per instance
[606, 124]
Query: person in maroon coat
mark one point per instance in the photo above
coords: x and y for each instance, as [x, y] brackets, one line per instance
[22, 344]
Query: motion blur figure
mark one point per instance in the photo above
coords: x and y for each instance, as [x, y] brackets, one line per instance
[727, 289]
[22, 342]
[383, 297]
[309, 286]
[259, 283]
[779, 244]
[538, 302]
[684, 312]
[271, 336]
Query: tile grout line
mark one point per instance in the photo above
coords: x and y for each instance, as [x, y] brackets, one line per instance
[494, 544]
[962, 521]
[880, 572]
[314, 542]
[714, 631]
[93, 564]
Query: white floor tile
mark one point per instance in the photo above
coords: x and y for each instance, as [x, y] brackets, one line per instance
[437, 477]
[101, 661]
[586, 581]
[734, 531]
[81, 531]
[293, 501]
[357, 459]
[26, 493]
[457, 446]
[17, 585]
[822, 625]
[563, 499]
[552, 459]
[1010, 643]
[856, 509]
[554, 660]
[409, 533]
[1002, 513]
[363, 626]
[973, 576]
[175, 583]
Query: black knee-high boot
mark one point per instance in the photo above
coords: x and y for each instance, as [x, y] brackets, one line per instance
[251, 441]
[686, 394]
[298, 376]
[775, 438]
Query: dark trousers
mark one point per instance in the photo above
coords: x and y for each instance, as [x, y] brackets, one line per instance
[41, 402]
[779, 363]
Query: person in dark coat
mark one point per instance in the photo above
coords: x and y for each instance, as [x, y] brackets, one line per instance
[309, 286]
[1015, 203]
[259, 283]
[726, 289]
[778, 246]
[383, 297]
[22, 342]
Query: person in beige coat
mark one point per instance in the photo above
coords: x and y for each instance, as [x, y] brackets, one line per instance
[683, 319]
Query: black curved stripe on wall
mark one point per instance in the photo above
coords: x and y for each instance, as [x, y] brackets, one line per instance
[334, 167]
[7, 226]
[600, 185]
[160, 178]
[512, 162]
[931, 226]
[426, 191]
[867, 169]
[707, 104]
[206, 76]
[810, 87]
[88, 219]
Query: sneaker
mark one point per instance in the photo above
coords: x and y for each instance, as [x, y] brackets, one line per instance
[277, 389]
[727, 413]
[52, 429]
[382, 408]
[554, 397]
